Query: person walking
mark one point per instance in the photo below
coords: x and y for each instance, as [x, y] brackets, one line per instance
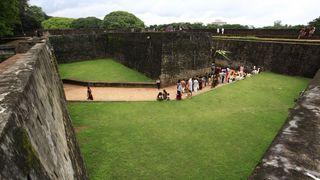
[158, 82]
[89, 94]
[195, 85]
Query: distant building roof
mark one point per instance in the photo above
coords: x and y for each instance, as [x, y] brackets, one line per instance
[219, 22]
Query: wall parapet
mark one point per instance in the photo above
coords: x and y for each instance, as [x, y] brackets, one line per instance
[110, 84]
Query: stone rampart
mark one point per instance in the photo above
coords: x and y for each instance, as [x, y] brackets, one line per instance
[295, 152]
[37, 139]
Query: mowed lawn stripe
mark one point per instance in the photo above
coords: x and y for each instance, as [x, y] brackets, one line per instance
[221, 134]
[106, 70]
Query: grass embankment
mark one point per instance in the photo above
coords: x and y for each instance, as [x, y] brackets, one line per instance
[221, 134]
[106, 70]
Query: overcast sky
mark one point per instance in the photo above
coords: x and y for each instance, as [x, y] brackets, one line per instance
[250, 12]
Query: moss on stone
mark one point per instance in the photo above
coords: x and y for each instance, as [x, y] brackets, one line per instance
[29, 158]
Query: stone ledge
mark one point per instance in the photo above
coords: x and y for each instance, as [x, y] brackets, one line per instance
[295, 152]
[110, 84]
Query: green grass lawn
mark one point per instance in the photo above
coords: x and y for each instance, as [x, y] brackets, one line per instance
[221, 134]
[106, 70]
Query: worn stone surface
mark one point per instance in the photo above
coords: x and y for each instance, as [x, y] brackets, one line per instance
[295, 152]
[185, 55]
[265, 33]
[37, 140]
[71, 48]
[140, 51]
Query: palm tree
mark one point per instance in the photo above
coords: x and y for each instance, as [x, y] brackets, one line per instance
[222, 53]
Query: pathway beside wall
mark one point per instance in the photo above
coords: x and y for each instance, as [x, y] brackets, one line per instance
[79, 93]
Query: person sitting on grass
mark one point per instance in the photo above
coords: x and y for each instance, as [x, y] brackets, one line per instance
[160, 96]
[165, 95]
[89, 94]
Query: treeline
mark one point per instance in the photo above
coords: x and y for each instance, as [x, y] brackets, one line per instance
[113, 20]
[17, 17]
[197, 25]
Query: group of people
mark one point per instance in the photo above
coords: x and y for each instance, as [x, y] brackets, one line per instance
[306, 32]
[218, 75]
[222, 31]
[163, 96]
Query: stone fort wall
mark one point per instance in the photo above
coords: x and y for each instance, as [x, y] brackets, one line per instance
[37, 140]
[168, 56]
[291, 58]
[264, 33]
[172, 56]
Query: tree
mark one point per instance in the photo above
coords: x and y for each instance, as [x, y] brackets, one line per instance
[315, 23]
[235, 26]
[9, 16]
[121, 19]
[227, 26]
[57, 23]
[88, 22]
[197, 25]
[222, 53]
[278, 25]
[32, 18]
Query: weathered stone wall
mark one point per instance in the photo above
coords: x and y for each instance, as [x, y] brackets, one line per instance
[292, 58]
[169, 56]
[295, 152]
[263, 33]
[176, 55]
[140, 51]
[37, 140]
[185, 55]
[70, 48]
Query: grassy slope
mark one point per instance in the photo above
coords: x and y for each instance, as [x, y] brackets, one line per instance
[221, 134]
[101, 70]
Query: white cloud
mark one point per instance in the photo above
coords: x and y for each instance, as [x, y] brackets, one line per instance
[250, 12]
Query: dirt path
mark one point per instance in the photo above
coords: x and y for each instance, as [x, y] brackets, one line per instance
[79, 93]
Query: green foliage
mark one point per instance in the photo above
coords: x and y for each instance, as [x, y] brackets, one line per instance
[9, 16]
[177, 26]
[222, 53]
[101, 70]
[37, 13]
[32, 18]
[221, 134]
[88, 22]
[227, 26]
[278, 25]
[122, 19]
[57, 23]
[198, 25]
[315, 23]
